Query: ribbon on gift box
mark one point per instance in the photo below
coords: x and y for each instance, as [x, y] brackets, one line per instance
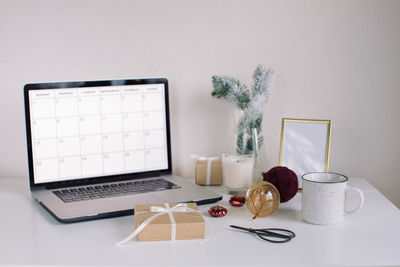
[181, 207]
[209, 160]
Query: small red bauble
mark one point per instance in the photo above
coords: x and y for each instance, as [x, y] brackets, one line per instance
[217, 211]
[237, 201]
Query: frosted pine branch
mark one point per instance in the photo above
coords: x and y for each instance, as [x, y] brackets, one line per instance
[231, 90]
[252, 106]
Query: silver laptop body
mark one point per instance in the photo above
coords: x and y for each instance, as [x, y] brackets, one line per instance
[97, 148]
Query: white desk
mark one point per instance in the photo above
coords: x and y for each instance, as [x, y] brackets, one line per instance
[29, 235]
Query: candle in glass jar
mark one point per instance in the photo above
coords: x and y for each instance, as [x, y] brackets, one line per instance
[237, 171]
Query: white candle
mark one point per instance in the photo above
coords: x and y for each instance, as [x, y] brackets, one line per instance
[237, 172]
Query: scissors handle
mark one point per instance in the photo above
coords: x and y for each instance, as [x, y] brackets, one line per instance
[281, 235]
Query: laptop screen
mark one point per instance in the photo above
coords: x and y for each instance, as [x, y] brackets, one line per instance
[96, 129]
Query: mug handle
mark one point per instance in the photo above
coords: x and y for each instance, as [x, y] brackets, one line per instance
[361, 195]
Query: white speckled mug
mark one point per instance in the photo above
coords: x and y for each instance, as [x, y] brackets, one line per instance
[324, 197]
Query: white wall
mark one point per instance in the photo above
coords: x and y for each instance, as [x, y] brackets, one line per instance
[336, 60]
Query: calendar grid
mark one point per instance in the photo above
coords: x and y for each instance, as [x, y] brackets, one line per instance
[122, 127]
[63, 117]
[91, 154]
[101, 130]
[141, 99]
[56, 134]
[79, 131]
[98, 131]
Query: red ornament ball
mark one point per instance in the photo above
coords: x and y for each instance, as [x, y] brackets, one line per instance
[237, 201]
[217, 211]
[285, 180]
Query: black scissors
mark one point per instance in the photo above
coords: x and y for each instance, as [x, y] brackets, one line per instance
[277, 235]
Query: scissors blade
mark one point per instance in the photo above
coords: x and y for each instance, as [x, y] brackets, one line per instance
[239, 227]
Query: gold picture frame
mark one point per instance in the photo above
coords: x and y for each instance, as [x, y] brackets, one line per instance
[305, 145]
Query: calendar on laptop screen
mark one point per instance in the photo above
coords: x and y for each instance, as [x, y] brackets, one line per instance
[97, 131]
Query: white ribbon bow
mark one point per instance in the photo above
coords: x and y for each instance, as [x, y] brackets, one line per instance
[181, 207]
[209, 160]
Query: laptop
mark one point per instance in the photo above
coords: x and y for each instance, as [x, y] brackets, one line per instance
[97, 148]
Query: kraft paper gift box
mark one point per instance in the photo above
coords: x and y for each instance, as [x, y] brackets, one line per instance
[188, 224]
[214, 171]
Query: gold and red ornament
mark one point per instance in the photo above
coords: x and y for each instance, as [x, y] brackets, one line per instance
[237, 201]
[262, 199]
[217, 211]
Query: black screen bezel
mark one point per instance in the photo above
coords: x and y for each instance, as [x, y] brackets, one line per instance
[100, 179]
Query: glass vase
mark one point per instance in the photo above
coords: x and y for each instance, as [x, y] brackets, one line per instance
[246, 149]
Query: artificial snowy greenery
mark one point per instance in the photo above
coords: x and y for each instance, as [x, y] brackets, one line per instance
[250, 103]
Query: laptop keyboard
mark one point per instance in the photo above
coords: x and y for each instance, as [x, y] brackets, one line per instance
[114, 190]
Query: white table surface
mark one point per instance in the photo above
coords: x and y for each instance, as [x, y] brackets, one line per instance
[30, 236]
